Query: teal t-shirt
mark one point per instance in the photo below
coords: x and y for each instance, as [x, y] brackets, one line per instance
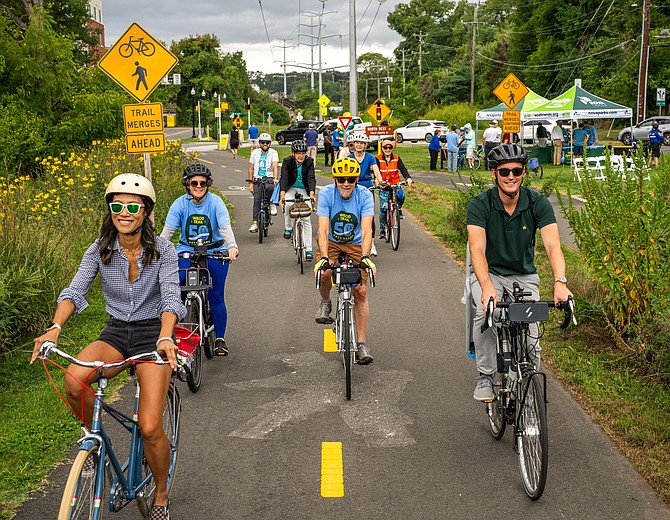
[298, 181]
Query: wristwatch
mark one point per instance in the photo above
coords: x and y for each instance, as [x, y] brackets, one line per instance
[54, 325]
[561, 279]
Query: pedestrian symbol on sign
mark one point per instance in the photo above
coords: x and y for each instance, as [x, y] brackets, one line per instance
[141, 74]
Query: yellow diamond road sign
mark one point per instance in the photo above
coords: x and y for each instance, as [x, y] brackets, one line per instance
[238, 122]
[323, 100]
[137, 62]
[378, 111]
[510, 90]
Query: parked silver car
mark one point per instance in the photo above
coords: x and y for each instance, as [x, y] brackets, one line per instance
[640, 131]
[420, 130]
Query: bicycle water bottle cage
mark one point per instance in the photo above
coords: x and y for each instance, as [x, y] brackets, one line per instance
[528, 312]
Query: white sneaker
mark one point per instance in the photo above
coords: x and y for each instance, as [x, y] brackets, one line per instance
[373, 250]
[253, 228]
[273, 210]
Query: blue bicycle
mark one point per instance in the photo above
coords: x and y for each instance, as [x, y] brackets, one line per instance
[97, 466]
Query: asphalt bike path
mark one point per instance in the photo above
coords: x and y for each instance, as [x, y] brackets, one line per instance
[414, 442]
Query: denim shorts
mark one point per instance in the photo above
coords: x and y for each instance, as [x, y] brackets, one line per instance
[131, 337]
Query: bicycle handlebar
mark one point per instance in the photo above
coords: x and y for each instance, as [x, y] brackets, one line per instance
[386, 185]
[49, 347]
[197, 254]
[568, 308]
[352, 265]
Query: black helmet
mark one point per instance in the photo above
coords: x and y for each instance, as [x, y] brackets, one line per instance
[505, 153]
[299, 146]
[195, 169]
[654, 125]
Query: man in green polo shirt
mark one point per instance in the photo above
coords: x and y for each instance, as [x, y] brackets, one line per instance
[502, 222]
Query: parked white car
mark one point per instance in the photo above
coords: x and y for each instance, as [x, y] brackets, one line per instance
[419, 130]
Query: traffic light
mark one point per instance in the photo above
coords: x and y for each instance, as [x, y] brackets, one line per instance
[247, 107]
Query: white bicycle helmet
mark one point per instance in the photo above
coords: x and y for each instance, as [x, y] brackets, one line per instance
[264, 137]
[131, 183]
[359, 137]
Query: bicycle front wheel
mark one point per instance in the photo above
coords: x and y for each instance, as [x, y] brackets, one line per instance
[195, 376]
[539, 172]
[348, 350]
[261, 226]
[300, 247]
[78, 502]
[389, 221]
[394, 232]
[532, 438]
[476, 162]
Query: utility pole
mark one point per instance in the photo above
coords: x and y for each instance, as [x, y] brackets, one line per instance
[420, 36]
[403, 76]
[353, 73]
[472, 57]
[644, 63]
[284, 60]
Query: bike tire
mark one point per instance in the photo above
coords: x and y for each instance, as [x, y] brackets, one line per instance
[208, 345]
[171, 427]
[539, 172]
[79, 495]
[261, 226]
[300, 247]
[394, 232]
[533, 442]
[477, 162]
[495, 410]
[348, 351]
[389, 221]
[268, 221]
[194, 378]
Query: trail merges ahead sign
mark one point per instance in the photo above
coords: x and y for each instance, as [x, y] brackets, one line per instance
[145, 143]
[143, 118]
[137, 62]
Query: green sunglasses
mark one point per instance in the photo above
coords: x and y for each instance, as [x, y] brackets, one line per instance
[133, 208]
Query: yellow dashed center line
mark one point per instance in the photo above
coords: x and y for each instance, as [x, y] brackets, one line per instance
[332, 472]
[205, 161]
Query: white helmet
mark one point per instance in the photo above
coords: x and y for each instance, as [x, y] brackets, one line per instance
[131, 183]
[265, 137]
[359, 137]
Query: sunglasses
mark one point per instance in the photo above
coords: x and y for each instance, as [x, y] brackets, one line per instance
[264, 142]
[201, 184]
[387, 147]
[504, 172]
[132, 208]
[348, 180]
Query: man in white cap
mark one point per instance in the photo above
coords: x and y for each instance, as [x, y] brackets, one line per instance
[311, 138]
[491, 139]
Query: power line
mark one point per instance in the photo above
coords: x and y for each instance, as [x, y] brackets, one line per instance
[267, 34]
[371, 26]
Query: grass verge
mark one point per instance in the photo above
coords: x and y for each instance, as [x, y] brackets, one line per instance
[635, 412]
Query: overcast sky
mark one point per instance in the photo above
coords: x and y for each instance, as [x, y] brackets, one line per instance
[239, 26]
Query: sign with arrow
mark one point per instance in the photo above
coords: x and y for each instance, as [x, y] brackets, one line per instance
[137, 62]
[378, 111]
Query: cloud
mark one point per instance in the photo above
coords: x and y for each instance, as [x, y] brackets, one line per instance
[239, 26]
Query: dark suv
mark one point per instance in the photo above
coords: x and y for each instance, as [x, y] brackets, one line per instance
[294, 132]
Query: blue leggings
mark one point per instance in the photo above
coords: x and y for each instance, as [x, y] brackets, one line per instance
[384, 196]
[219, 273]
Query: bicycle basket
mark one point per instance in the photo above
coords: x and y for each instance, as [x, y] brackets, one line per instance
[300, 209]
[533, 163]
[347, 276]
[187, 341]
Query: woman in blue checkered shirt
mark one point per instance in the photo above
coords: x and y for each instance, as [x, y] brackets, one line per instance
[140, 282]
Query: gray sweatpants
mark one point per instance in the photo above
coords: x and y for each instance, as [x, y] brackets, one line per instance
[485, 342]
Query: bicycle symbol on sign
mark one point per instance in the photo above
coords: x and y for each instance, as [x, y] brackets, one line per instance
[511, 84]
[137, 44]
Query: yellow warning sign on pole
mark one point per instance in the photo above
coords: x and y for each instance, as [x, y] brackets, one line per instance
[142, 118]
[511, 122]
[510, 90]
[145, 143]
[137, 62]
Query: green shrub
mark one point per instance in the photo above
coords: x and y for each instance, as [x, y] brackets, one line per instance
[623, 233]
[455, 114]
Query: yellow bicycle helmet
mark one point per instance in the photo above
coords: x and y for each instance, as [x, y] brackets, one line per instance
[346, 167]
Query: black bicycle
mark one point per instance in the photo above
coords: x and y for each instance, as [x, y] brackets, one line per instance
[346, 275]
[264, 217]
[196, 333]
[535, 168]
[520, 389]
